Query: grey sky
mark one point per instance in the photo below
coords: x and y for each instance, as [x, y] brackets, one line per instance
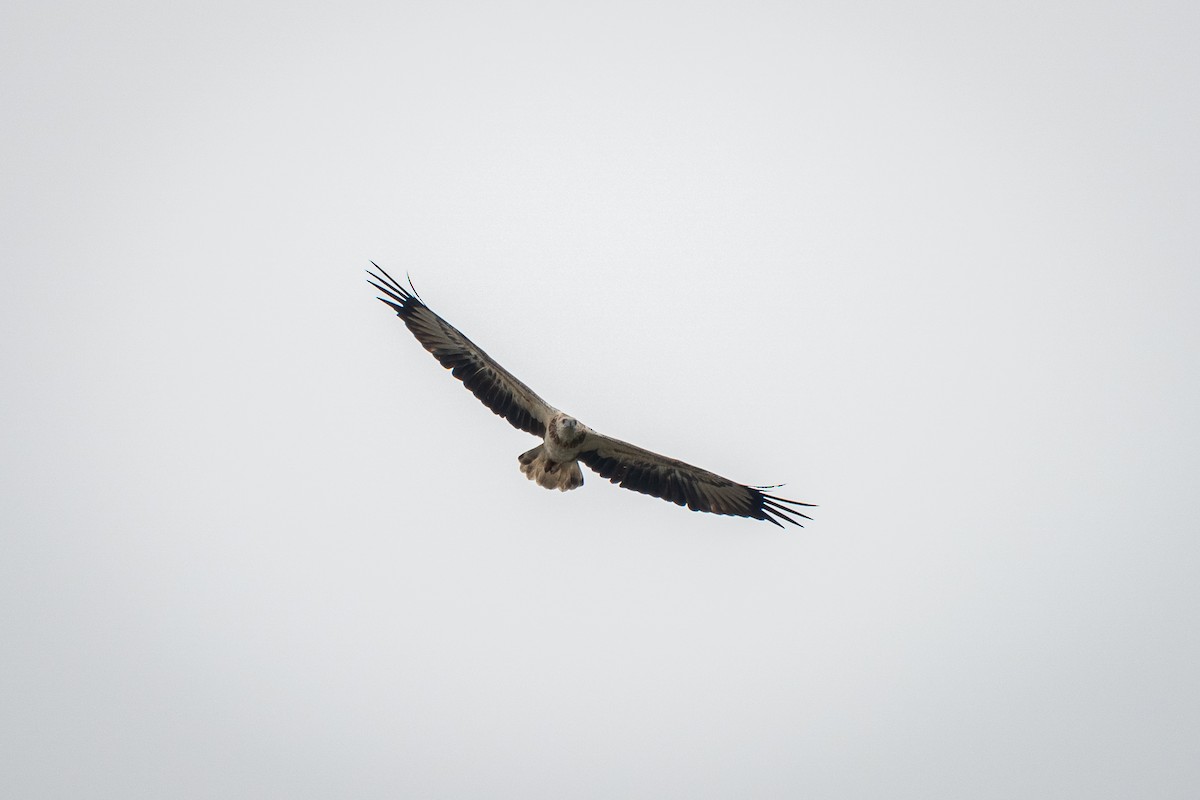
[934, 265]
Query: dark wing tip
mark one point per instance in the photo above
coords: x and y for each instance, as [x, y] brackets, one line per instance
[771, 509]
[402, 300]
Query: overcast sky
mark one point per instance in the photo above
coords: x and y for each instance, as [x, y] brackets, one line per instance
[935, 266]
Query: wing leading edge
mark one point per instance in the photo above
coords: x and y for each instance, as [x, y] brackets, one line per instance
[640, 470]
[496, 387]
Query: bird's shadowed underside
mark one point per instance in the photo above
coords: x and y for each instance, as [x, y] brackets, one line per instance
[538, 467]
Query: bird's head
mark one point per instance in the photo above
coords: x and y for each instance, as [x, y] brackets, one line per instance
[568, 429]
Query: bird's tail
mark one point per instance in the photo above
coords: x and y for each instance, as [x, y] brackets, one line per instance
[538, 468]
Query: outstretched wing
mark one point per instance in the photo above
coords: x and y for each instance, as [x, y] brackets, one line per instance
[491, 383]
[642, 471]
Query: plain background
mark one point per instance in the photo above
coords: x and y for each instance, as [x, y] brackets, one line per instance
[935, 265]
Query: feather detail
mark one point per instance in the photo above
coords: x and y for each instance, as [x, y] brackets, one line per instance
[495, 386]
[640, 470]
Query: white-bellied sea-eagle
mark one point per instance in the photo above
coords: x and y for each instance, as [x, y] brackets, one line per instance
[554, 463]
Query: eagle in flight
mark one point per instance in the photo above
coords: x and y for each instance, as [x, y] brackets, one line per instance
[554, 463]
